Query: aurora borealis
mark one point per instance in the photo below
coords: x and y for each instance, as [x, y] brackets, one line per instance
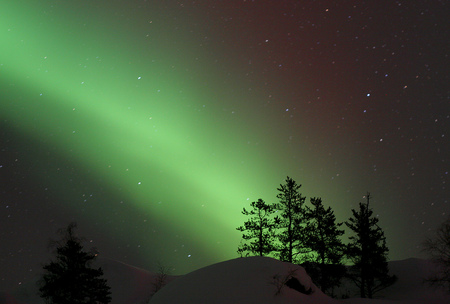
[153, 123]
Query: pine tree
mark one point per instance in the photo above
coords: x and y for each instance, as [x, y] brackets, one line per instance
[291, 222]
[368, 252]
[323, 238]
[70, 279]
[258, 230]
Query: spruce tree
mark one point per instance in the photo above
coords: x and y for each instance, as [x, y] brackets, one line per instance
[291, 222]
[368, 252]
[69, 279]
[258, 233]
[323, 238]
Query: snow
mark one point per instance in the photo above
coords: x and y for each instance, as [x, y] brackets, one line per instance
[242, 280]
[410, 286]
[246, 280]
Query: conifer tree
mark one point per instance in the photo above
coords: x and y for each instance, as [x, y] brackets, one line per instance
[368, 252]
[291, 222]
[258, 231]
[70, 279]
[323, 238]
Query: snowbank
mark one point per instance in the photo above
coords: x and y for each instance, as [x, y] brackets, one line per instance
[258, 280]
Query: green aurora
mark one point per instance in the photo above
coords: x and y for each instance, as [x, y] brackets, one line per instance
[139, 117]
[146, 129]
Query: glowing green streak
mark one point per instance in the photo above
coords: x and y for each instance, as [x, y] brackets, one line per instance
[131, 131]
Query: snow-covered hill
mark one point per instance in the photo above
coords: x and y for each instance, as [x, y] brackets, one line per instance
[256, 280]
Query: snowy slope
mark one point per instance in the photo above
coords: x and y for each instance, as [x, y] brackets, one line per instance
[253, 280]
[245, 280]
[129, 285]
[410, 286]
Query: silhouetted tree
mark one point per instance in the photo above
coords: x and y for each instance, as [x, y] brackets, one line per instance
[439, 250]
[368, 252]
[258, 231]
[323, 238]
[161, 277]
[291, 222]
[70, 279]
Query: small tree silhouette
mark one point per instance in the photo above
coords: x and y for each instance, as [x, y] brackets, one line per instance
[70, 279]
[258, 232]
[439, 250]
[160, 279]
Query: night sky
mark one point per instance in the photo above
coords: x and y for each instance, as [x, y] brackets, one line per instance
[153, 123]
